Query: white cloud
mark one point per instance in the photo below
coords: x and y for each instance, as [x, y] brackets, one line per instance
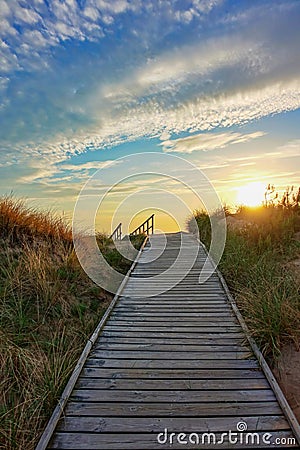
[198, 8]
[207, 141]
[191, 65]
[289, 150]
[27, 15]
[91, 165]
[91, 12]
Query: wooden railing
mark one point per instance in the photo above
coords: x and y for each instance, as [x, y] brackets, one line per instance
[146, 227]
[117, 233]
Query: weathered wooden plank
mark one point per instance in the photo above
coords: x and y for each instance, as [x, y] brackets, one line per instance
[171, 384]
[180, 328]
[160, 314]
[172, 299]
[174, 373]
[178, 396]
[176, 363]
[108, 441]
[177, 305]
[100, 345]
[217, 409]
[171, 285]
[186, 292]
[169, 295]
[132, 339]
[175, 335]
[143, 425]
[174, 319]
[168, 308]
[184, 316]
[184, 322]
[170, 355]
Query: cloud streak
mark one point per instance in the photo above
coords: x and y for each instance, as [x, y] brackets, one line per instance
[207, 141]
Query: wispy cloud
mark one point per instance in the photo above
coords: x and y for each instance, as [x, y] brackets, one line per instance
[91, 165]
[289, 150]
[208, 141]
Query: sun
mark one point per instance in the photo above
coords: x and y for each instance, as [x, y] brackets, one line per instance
[251, 194]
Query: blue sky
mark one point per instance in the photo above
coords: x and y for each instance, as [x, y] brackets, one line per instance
[83, 82]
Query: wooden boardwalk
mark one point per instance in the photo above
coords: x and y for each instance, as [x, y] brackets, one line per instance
[177, 361]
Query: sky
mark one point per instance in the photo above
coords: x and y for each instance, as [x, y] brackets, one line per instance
[86, 83]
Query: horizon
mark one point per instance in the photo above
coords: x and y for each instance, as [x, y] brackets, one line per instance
[86, 83]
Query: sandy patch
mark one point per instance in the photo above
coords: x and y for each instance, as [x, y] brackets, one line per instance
[287, 373]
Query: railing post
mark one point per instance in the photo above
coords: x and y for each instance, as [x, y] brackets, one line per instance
[117, 233]
[147, 226]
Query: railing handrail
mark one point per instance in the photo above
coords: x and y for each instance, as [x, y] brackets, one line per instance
[117, 233]
[145, 227]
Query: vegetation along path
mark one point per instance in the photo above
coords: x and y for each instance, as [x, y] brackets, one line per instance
[175, 369]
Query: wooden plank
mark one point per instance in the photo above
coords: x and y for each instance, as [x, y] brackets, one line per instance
[119, 339]
[175, 291]
[196, 317]
[179, 335]
[179, 328]
[179, 396]
[108, 441]
[157, 314]
[211, 409]
[143, 425]
[175, 354]
[147, 322]
[183, 316]
[171, 384]
[176, 363]
[169, 296]
[174, 308]
[178, 302]
[175, 373]
[169, 347]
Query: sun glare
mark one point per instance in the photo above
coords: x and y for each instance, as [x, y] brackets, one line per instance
[251, 194]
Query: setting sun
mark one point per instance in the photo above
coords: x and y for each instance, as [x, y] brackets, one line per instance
[251, 194]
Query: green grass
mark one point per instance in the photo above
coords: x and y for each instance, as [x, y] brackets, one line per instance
[256, 267]
[48, 309]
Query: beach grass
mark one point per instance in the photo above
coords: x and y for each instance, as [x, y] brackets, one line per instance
[257, 266]
[48, 309]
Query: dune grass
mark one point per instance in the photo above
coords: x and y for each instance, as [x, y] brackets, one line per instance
[260, 244]
[48, 309]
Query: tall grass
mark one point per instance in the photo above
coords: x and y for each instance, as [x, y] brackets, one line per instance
[48, 309]
[260, 243]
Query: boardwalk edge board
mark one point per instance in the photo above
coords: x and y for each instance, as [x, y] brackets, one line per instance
[262, 362]
[51, 425]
